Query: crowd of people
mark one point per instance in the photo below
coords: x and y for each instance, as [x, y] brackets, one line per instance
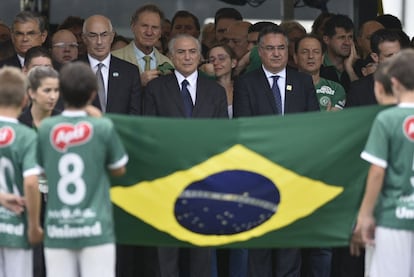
[180, 69]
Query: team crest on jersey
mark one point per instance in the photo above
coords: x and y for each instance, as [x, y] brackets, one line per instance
[66, 135]
[408, 127]
[7, 136]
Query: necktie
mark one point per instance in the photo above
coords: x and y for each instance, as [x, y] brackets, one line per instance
[147, 60]
[276, 94]
[188, 103]
[101, 87]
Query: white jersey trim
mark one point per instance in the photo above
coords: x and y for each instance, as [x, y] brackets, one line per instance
[120, 163]
[74, 113]
[32, 171]
[374, 160]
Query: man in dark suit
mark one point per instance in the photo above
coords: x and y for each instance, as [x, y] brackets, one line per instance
[274, 89]
[28, 30]
[120, 83]
[384, 44]
[185, 94]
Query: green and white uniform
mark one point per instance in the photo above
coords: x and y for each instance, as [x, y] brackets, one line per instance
[330, 93]
[391, 145]
[75, 152]
[17, 160]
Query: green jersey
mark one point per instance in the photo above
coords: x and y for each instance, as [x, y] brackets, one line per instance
[17, 160]
[330, 93]
[76, 151]
[391, 145]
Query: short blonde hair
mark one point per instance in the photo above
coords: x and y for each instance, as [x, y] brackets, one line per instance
[13, 87]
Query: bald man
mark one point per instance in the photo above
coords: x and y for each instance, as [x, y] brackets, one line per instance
[236, 38]
[64, 47]
[364, 37]
[121, 84]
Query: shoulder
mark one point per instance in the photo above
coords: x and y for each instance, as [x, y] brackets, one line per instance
[115, 61]
[161, 80]
[122, 51]
[251, 75]
[161, 58]
[293, 73]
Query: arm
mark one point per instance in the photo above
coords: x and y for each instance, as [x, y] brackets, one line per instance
[365, 226]
[118, 171]
[136, 93]
[32, 197]
[12, 202]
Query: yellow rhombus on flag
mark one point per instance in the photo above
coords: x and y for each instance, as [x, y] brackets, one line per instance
[155, 201]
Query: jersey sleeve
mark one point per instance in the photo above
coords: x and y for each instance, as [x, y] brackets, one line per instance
[377, 147]
[29, 162]
[116, 154]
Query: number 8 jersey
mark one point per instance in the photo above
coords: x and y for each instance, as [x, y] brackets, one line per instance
[75, 152]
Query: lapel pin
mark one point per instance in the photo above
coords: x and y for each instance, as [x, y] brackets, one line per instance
[289, 87]
[115, 74]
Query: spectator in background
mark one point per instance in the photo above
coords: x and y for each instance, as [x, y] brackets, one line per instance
[294, 31]
[384, 43]
[185, 22]
[119, 42]
[331, 95]
[222, 20]
[318, 26]
[5, 33]
[389, 21]
[146, 26]
[28, 30]
[236, 38]
[340, 54]
[208, 38]
[6, 50]
[364, 37]
[74, 24]
[166, 28]
[37, 56]
[64, 47]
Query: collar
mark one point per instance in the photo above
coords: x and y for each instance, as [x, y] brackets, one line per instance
[406, 105]
[94, 62]
[326, 61]
[192, 78]
[21, 60]
[139, 54]
[8, 119]
[74, 113]
[281, 74]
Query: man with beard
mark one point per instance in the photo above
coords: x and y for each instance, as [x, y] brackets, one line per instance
[340, 52]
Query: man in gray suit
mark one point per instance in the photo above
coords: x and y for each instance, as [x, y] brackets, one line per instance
[185, 94]
[121, 88]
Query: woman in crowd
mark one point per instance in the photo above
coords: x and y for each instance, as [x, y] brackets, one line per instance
[223, 60]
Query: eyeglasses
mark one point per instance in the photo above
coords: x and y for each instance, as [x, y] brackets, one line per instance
[64, 45]
[220, 58]
[271, 48]
[95, 36]
[30, 35]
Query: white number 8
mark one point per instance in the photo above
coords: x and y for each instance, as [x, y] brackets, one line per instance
[71, 169]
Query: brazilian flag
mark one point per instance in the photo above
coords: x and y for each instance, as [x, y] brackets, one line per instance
[272, 181]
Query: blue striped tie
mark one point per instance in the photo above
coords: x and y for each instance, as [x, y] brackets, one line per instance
[276, 94]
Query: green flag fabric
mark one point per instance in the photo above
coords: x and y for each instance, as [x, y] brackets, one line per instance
[273, 181]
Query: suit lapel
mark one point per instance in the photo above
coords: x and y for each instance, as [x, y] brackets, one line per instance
[264, 82]
[173, 88]
[289, 93]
